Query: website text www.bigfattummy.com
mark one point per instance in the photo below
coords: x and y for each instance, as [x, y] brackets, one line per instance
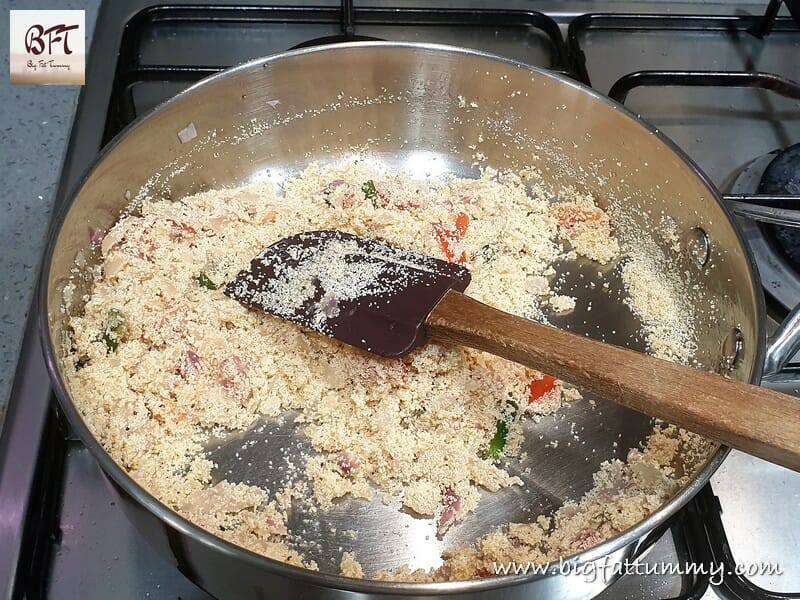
[607, 568]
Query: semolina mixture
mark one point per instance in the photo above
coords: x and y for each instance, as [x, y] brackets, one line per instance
[162, 362]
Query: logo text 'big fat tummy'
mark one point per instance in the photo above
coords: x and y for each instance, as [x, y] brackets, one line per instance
[47, 46]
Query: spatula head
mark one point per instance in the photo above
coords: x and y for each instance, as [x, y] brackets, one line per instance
[361, 291]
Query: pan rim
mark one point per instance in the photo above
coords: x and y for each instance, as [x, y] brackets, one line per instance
[172, 519]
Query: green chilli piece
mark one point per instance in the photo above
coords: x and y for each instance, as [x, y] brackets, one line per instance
[114, 330]
[498, 442]
[205, 281]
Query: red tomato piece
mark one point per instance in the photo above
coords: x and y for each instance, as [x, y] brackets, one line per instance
[462, 222]
[540, 387]
[446, 236]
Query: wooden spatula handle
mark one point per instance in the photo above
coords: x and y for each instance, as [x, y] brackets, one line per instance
[756, 420]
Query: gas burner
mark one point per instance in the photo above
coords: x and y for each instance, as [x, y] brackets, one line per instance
[776, 248]
[782, 176]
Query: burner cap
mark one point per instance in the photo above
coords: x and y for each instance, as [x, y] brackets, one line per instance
[782, 177]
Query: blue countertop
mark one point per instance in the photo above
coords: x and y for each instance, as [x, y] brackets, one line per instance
[35, 122]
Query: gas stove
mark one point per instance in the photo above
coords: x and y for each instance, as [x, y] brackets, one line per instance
[700, 78]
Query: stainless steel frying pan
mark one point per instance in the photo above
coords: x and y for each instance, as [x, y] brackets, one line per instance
[421, 109]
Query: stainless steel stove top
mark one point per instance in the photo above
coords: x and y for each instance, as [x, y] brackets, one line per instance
[77, 544]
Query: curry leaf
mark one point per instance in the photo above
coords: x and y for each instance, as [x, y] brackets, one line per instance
[370, 193]
[206, 282]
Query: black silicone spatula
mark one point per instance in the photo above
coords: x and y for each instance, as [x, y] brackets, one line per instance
[389, 301]
[357, 290]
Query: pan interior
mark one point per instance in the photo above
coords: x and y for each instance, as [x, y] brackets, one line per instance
[429, 111]
[581, 435]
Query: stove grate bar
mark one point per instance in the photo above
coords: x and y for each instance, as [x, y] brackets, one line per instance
[764, 26]
[749, 79]
[692, 547]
